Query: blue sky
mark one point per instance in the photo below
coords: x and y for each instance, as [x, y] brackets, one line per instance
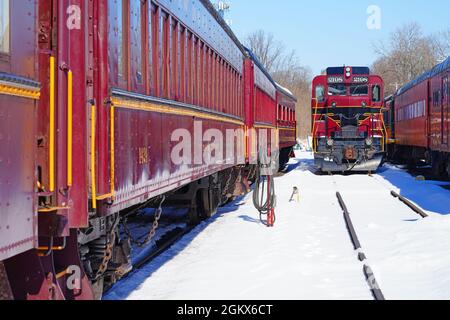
[332, 33]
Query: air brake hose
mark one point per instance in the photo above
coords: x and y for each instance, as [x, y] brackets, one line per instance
[264, 198]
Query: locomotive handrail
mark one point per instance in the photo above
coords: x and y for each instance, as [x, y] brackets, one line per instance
[384, 129]
[314, 124]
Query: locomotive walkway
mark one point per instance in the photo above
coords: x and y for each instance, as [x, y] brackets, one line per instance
[309, 255]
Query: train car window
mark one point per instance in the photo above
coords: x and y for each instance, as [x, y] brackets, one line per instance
[337, 90]
[359, 90]
[154, 42]
[175, 61]
[376, 93]
[165, 55]
[320, 93]
[136, 39]
[445, 91]
[120, 57]
[4, 26]
[183, 63]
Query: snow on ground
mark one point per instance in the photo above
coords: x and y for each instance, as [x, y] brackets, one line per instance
[308, 255]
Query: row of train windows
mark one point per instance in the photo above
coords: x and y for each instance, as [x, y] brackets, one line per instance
[4, 26]
[178, 66]
[441, 96]
[412, 111]
[285, 114]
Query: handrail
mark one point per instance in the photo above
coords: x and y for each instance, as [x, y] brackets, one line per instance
[314, 124]
[69, 128]
[51, 150]
[112, 148]
[383, 130]
[93, 173]
[51, 247]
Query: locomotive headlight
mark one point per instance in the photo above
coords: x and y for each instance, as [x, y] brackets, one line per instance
[330, 143]
[369, 142]
[364, 104]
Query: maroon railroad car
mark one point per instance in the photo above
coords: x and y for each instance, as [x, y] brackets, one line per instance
[286, 123]
[95, 96]
[422, 120]
[260, 104]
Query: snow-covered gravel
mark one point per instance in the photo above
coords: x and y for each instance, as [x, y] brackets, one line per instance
[308, 255]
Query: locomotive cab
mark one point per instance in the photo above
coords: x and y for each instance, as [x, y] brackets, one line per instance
[348, 126]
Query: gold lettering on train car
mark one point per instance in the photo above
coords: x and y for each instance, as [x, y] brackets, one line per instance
[143, 156]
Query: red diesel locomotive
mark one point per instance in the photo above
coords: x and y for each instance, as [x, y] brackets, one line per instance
[420, 118]
[91, 93]
[348, 126]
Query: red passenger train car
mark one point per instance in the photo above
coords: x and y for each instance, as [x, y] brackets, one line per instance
[286, 123]
[95, 98]
[421, 118]
[348, 126]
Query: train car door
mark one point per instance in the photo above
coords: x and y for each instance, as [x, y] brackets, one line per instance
[445, 111]
[19, 93]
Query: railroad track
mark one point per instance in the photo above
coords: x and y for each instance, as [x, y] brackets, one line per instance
[368, 273]
[373, 284]
[163, 244]
[172, 227]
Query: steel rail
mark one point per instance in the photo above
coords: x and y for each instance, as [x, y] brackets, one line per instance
[411, 205]
[370, 276]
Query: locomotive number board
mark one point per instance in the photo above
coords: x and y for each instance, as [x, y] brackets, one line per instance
[360, 79]
[335, 80]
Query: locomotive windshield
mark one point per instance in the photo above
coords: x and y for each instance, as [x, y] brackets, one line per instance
[345, 90]
[337, 90]
[359, 90]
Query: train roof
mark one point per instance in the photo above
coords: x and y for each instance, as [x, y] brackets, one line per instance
[425, 76]
[285, 91]
[255, 59]
[331, 71]
[210, 7]
[440, 67]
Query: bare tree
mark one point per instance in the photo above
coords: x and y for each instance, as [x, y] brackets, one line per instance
[406, 55]
[266, 48]
[441, 42]
[286, 69]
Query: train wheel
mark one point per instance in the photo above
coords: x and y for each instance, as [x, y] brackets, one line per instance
[438, 165]
[207, 205]
[207, 199]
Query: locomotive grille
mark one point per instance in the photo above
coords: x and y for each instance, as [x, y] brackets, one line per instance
[349, 132]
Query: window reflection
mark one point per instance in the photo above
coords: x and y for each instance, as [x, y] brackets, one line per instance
[4, 26]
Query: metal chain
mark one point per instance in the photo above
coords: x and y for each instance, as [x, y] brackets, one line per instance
[227, 185]
[152, 232]
[109, 250]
